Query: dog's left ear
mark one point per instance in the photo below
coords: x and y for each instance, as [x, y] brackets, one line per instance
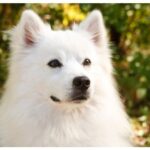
[94, 25]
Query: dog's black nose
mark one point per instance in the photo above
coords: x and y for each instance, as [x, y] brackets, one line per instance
[81, 82]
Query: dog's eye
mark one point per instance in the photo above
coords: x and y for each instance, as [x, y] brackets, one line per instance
[54, 63]
[86, 62]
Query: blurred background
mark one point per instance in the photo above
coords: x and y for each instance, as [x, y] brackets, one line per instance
[129, 31]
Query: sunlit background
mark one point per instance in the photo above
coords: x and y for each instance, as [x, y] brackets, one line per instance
[129, 31]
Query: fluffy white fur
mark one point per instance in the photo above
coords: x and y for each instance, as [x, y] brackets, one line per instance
[28, 117]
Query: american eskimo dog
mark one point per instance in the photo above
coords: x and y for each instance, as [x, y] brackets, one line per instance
[60, 90]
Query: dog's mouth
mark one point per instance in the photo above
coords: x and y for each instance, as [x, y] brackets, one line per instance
[79, 98]
[75, 99]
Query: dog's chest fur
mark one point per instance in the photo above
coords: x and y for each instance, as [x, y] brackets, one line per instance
[42, 127]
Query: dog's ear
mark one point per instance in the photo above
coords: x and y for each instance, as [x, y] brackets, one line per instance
[30, 27]
[94, 25]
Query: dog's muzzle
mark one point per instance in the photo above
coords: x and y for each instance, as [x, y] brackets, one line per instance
[79, 93]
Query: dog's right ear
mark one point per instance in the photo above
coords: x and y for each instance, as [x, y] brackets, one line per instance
[30, 27]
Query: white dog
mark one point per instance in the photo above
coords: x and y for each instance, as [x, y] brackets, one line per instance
[60, 90]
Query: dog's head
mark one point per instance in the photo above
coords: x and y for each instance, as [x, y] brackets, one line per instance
[61, 66]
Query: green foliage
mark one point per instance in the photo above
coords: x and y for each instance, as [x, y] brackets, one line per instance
[134, 78]
[129, 32]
